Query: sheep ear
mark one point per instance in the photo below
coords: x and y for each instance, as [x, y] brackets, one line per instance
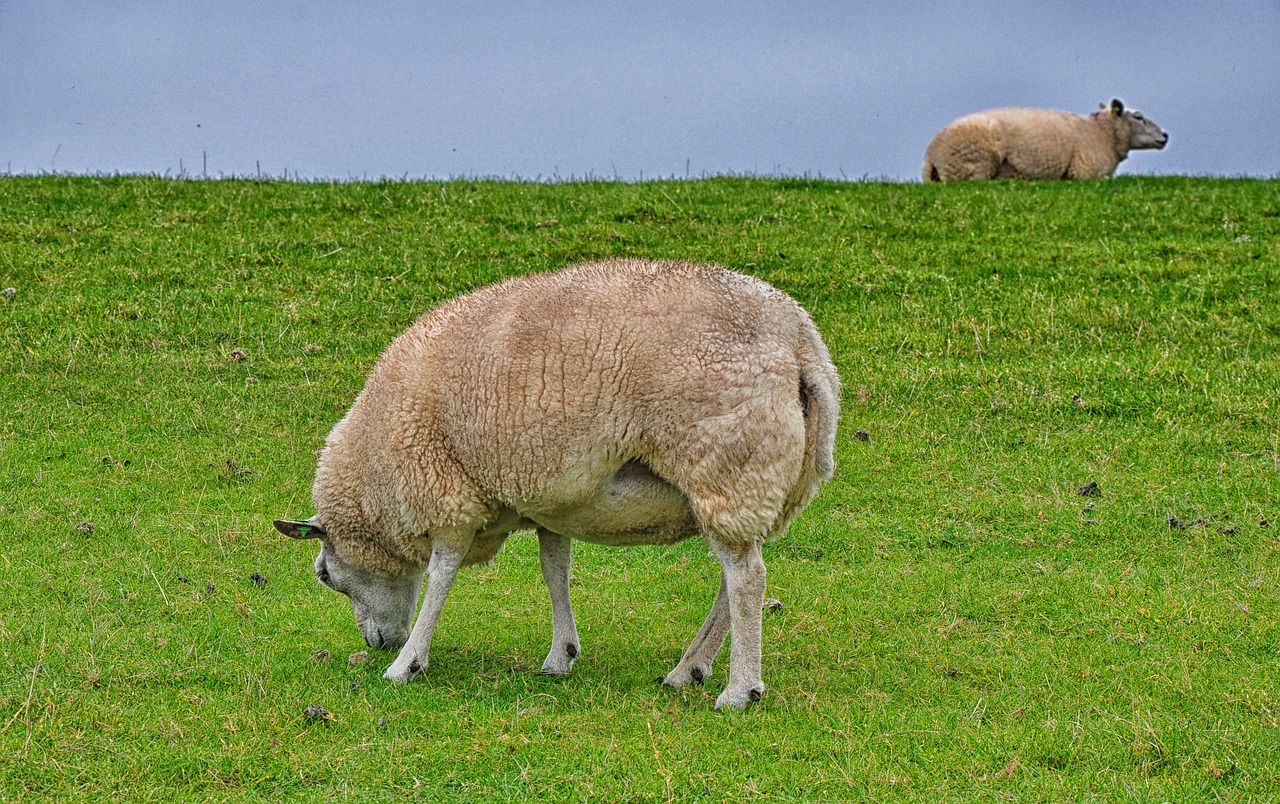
[1117, 108]
[295, 529]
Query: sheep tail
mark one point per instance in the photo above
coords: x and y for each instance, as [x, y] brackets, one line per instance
[820, 402]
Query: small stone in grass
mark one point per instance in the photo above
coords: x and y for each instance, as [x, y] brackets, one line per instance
[773, 604]
[9, 293]
[85, 527]
[861, 435]
[359, 657]
[258, 579]
[1175, 523]
[237, 355]
[1089, 489]
[321, 656]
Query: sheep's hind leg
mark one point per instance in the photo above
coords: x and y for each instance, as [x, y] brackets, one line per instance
[442, 569]
[695, 664]
[554, 555]
[744, 575]
[736, 471]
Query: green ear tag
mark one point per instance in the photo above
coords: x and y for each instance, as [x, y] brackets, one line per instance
[303, 530]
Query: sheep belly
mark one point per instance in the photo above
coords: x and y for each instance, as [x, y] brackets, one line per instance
[634, 506]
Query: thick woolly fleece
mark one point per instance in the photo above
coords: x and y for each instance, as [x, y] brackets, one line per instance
[1039, 144]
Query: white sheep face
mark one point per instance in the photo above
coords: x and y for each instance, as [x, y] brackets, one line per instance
[384, 606]
[1143, 133]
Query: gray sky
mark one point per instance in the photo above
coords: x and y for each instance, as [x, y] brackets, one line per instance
[609, 89]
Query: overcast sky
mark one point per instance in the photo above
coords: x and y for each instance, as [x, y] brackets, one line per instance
[608, 89]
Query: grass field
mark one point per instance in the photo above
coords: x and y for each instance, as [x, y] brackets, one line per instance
[959, 621]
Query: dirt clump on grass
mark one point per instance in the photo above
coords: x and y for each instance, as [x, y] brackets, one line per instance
[318, 713]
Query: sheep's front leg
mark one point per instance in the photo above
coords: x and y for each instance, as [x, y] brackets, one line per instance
[695, 664]
[744, 577]
[446, 558]
[554, 554]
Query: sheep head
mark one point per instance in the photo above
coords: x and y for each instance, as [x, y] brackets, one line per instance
[1136, 131]
[384, 605]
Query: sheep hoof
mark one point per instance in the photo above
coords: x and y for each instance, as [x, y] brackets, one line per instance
[404, 675]
[560, 663]
[739, 699]
[681, 677]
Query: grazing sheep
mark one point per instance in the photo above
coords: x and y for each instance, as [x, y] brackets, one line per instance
[620, 403]
[1039, 144]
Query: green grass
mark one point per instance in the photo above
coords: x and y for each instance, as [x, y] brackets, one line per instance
[958, 622]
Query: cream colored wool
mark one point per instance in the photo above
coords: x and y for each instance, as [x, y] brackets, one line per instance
[620, 403]
[1039, 144]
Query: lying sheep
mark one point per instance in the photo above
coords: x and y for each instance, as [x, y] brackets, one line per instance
[1039, 144]
[620, 403]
